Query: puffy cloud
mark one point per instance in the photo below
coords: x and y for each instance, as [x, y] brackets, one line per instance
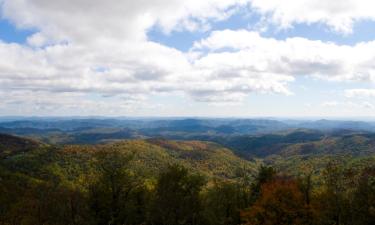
[134, 69]
[94, 47]
[85, 19]
[339, 15]
[284, 59]
[109, 69]
[90, 20]
[224, 67]
[101, 46]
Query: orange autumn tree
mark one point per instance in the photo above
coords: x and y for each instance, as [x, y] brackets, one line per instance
[281, 202]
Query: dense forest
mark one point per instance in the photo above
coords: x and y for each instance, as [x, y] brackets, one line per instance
[291, 177]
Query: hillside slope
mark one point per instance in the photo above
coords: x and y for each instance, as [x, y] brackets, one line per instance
[13, 145]
[301, 142]
[152, 155]
[71, 162]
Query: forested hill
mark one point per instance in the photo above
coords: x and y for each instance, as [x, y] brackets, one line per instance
[300, 177]
[13, 145]
[301, 142]
[150, 156]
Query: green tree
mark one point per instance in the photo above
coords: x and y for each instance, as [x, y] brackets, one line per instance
[364, 198]
[223, 203]
[265, 174]
[177, 198]
[110, 194]
[331, 203]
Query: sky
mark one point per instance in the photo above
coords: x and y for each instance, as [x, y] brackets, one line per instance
[212, 58]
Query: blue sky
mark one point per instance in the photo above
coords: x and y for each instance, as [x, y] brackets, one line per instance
[240, 58]
[363, 31]
[9, 33]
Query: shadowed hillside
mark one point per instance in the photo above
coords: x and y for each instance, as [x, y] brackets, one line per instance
[13, 145]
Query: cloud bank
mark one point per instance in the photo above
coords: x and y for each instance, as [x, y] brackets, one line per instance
[93, 47]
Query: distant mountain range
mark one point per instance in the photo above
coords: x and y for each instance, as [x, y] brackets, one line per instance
[99, 130]
[216, 155]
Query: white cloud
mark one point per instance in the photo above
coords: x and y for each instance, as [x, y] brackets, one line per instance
[360, 93]
[38, 40]
[91, 20]
[348, 104]
[330, 104]
[248, 51]
[368, 105]
[132, 68]
[95, 47]
[23, 102]
[101, 46]
[339, 15]
[224, 67]
[138, 69]
[85, 20]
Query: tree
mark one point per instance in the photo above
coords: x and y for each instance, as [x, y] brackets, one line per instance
[110, 193]
[281, 202]
[265, 174]
[331, 203]
[364, 198]
[177, 197]
[223, 203]
[306, 187]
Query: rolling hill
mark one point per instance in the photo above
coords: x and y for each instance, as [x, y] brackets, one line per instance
[149, 156]
[10, 145]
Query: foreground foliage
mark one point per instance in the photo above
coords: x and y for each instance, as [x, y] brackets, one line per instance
[161, 182]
